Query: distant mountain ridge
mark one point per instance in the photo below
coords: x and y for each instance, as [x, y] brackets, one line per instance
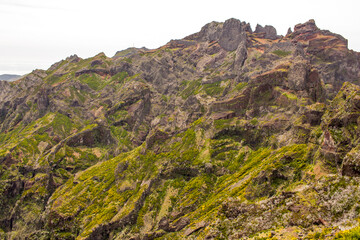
[9, 77]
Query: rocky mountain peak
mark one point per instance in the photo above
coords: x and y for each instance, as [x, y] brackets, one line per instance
[73, 58]
[209, 32]
[229, 34]
[306, 27]
[232, 34]
[268, 32]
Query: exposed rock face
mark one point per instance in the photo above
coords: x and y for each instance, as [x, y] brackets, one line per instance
[5, 88]
[241, 53]
[298, 73]
[43, 101]
[231, 35]
[289, 32]
[91, 137]
[210, 32]
[227, 133]
[268, 32]
[309, 26]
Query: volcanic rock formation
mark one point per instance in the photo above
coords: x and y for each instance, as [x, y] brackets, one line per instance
[228, 133]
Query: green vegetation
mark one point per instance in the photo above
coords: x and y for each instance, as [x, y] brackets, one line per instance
[241, 86]
[213, 89]
[190, 88]
[350, 234]
[93, 80]
[281, 53]
[119, 77]
[289, 95]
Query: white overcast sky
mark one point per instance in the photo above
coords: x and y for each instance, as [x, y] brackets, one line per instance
[36, 33]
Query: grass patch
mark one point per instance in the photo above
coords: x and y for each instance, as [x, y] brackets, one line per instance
[213, 89]
[190, 88]
[92, 80]
[281, 53]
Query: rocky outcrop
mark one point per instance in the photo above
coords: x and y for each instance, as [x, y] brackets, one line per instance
[289, 31]
[241, 54]
[210, 32]
[236, 104]
[309, 26]
[156, 136]
[298, 73]
[232, 34]
[267, 32]
[223, 115]
[314, 87]
[90, 137]
[5, 90]
[43, 101]
[229, 34]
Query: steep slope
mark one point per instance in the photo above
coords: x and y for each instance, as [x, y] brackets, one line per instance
[225, 134]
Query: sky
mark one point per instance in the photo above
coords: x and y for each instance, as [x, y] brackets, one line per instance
[34, 34]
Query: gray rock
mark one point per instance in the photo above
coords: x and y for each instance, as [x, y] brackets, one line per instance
[246, 27]
[197, 227]
[305, 27]
[297, 75]
[231, 35]
[209, 32]
[289, 31]
[268, 31]
[241, 53]
[228, 33]
[5, 88]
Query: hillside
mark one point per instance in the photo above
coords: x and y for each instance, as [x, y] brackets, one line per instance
[228, 133]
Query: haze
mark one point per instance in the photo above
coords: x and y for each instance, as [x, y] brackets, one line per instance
[37, 33]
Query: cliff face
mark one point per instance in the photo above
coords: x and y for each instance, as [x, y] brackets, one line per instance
[225, 134]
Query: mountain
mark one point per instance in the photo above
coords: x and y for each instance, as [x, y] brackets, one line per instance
[228, 133]
[9, 77]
